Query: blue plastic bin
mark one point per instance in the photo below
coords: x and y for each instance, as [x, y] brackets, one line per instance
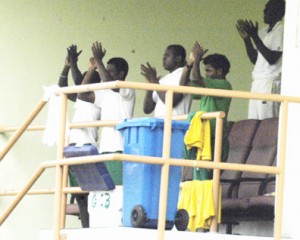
[141, 182]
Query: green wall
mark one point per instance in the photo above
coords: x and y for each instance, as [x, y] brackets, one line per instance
[34, 35]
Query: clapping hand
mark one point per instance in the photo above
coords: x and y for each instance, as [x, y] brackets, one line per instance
[251, 29]
[93, 63]
[240, 26]
[197, 53]
[73, 54]
[98, 51]
[149, 73]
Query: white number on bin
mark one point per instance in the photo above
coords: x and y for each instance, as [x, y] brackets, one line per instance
[101, 200]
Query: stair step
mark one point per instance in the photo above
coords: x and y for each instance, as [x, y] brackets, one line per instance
[126, 233]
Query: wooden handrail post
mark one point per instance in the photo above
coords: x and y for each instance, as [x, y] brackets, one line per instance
[163, 195]
[59, 169]
[14, 138]
[216, 175]
[281, 166]
[64, 196]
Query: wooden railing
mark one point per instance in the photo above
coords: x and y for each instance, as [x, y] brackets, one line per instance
[62, 164]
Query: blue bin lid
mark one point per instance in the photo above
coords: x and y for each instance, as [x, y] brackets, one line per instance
[151, 123]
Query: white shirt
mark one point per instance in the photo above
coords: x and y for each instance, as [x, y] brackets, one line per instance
[274, 41]
[114, 106]
[85, 112]
[183, 107]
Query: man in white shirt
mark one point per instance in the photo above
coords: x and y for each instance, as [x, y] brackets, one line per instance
[84, 112]
[173, 61]
[115, 104]
[266, 54]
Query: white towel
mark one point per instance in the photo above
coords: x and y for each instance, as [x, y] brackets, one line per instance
[51, 133]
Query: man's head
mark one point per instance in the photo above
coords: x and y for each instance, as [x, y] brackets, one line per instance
[216, 66]
[274, 11]
[95, 77]
[117, 68]
[174, 57]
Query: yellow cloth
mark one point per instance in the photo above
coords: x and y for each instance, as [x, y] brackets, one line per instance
[198, 135]
[197, 199]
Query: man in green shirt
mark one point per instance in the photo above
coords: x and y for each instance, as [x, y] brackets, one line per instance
[216, 68]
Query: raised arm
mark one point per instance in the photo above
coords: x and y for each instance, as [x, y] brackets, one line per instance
[185, 79]
[197, 54]
[270, 55]
[63, 78]
[73, 56]
[251, 51]
[150, 75]
[149, 104]
[88, 96]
